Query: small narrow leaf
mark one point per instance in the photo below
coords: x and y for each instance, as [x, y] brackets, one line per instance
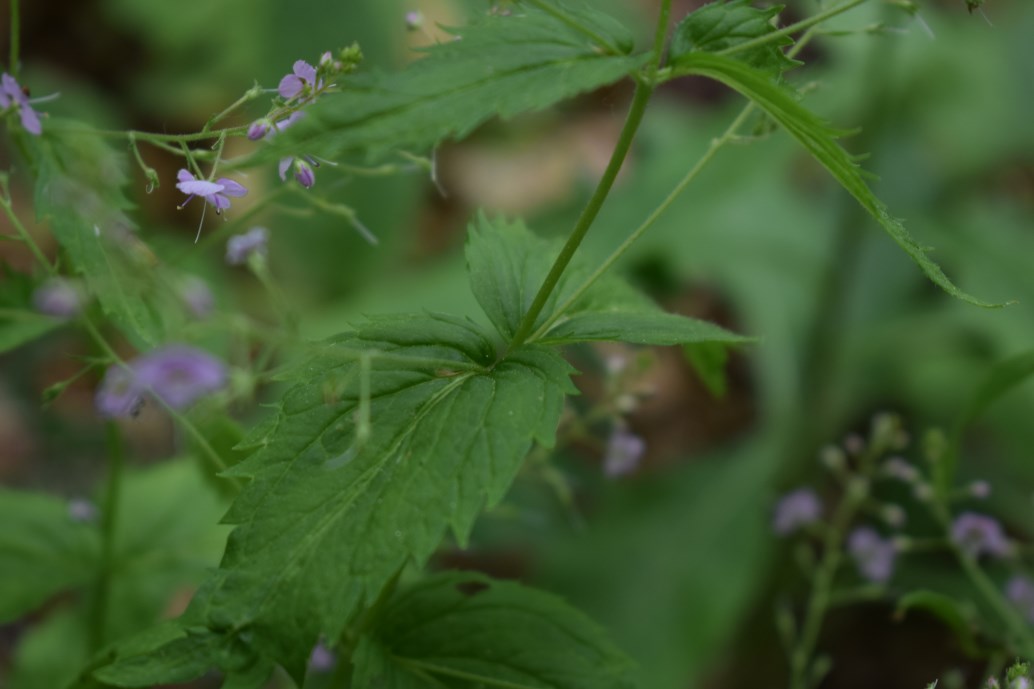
[507, 264]
[329, 516]
[821, 141]
[721, 25]
[463, 630]
[500, 66]
[950, 611]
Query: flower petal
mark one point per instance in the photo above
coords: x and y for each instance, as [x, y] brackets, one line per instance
[200, 187]
[285, 165]
[30, 120]
[220, 202]
[231, 188]
[185, 176]
[290, 86]
[305, 71]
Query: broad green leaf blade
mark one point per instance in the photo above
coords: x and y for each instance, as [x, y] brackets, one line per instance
[335, 505]
[18, 327]
[166, 654]
[79, 192]
[722, 25]
[500, 66]
[507, 264]
[821, 141]
[465, 630]
[43, 551]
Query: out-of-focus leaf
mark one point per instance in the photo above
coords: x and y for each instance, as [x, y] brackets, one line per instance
[501, 65]
[19, 327]
[950, 611]
[709, 360]
[50, 654]
[43, 551]
[821, 141]
[463, 630]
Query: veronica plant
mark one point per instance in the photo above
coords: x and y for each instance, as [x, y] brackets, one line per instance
[402, 428]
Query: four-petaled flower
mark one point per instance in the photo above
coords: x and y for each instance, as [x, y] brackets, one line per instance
[978, 534]
[176, 374]
[302, 81]
[796, 509]
[873, 555]
[242, 246]
[11, 93]
[215, 193]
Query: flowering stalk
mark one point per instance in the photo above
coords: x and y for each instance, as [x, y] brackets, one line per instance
[12, 61]
[109, 516]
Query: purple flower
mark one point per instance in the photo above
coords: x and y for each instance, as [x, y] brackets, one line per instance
[1020, 592]
[177, 374]
[259, 128]
[196, 296]
[796, 509]
[979, 534]
[11, 93]
[980, 490]
[240, 247]
[874, 556]
[213, 192]
[414, 20]
[81, 511]
[624, 451]
[301, 80]
[58, 297]
[322, 659]
[303, 171]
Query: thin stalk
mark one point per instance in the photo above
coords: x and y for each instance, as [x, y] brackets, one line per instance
[16, 27]
[249, 95]
[716, 144]
[644, 89]
[592, 209]
[109, 519]
[23, 233]
[792, 28]
[1015, 624]
[570, 21]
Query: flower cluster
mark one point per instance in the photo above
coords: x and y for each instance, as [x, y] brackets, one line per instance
[12, 95]
[795, 510]
[178, 375]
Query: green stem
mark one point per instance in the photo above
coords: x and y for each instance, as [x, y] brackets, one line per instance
[716, 144]
[792, 28]
[1016, 625]
[249, 95]
[153, 181]
[592, 209]
[570, 21]
[109, 517]
[23, 233]
[16, 26]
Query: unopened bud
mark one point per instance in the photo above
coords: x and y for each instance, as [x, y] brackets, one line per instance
[414, 20]
[258, 129]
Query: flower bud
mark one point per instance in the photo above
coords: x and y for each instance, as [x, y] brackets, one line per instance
[304, 174]
[258, 129]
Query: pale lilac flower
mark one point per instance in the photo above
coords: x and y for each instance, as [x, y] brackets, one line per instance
[1020, 592]
[301, 80]
[215, 193]
[119, 396]
[240, 247]
[303, 171]
[624, 452]
[322, 659]
[259, 128]
[414, 20]
[81, 511]
[874, 556]
[980, 490]
[796, 509]
[197, 297]
[978, 534]
[58, 297]
[177, 374]
[897, 467]
[11, 93]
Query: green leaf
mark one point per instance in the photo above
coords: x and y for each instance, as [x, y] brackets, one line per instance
[507, 264]
[18, 327]
[709, 359]
[465, 630]
[722, 25]
[43, 551]
[502, 65]
[393, 433]
[51, 653]
[950, 611]
[821, 141]
[79, 191]
[165, 654]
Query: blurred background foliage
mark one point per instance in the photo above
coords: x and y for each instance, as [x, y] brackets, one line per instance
[677, 560]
